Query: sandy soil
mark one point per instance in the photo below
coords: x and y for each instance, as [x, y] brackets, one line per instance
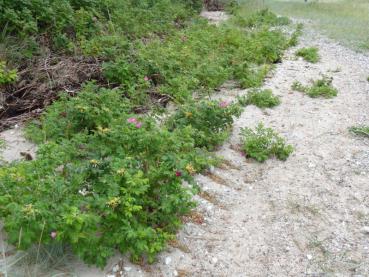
[308, 216]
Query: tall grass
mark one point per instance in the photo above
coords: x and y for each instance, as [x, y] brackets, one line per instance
[346, 21]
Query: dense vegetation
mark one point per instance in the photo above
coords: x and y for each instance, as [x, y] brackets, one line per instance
[110, 169]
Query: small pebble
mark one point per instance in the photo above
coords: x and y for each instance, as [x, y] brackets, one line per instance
[309, 257]
[214, 260]
[168, 260]
[115, 268]
[127, 268]
[175, 273]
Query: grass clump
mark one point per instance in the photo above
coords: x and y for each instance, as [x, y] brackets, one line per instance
[319, 88]
[360, 130]
[260, 98]
[309, 54]
[294, 39]
[263, 143]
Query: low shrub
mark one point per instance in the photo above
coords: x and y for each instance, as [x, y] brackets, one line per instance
[309, 54]
[201, 57]
[7, 76]
[65, 23]
[263, 143]
[322, 88]
[319, 88]
[260, 98]
[360, 130]
[104, 180]
[211, 121]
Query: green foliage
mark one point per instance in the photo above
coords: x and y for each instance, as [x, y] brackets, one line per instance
[201, 57]
[309, 54]
[210, 120]
[261, 18]
[294, 39]
[299, 87]
[69, 116]
[7, 76]
[69, 22]
[360, 130]
[263, 143]
[105, 179]
[322, 88]
[319, 88]
[260, 98]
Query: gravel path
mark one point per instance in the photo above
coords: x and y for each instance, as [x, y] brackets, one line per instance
[306, 216]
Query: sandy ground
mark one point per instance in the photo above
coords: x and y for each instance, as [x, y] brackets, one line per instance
[308, 216]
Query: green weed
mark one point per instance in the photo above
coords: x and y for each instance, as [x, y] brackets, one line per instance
[319, 88]
[322, 88]
[294, 39]
[299, 87]
[309, 54]
[263, 143]
[260, 98]
[7, 76]
[360, 130]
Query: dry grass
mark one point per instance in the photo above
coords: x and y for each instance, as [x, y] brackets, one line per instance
[346, 21]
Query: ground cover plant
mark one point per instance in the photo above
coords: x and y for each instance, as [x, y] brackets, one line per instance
[7, 76]
[360, 130]
[109, 173]
[294, 40]
[260, 98]
[319, 88]
[262, 143]
[309, 54]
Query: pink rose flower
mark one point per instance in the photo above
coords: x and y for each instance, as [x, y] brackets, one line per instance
[223, 104]
[178, 173]
[132, 120]
[146, 78]
[53, 234]
[138, 125]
